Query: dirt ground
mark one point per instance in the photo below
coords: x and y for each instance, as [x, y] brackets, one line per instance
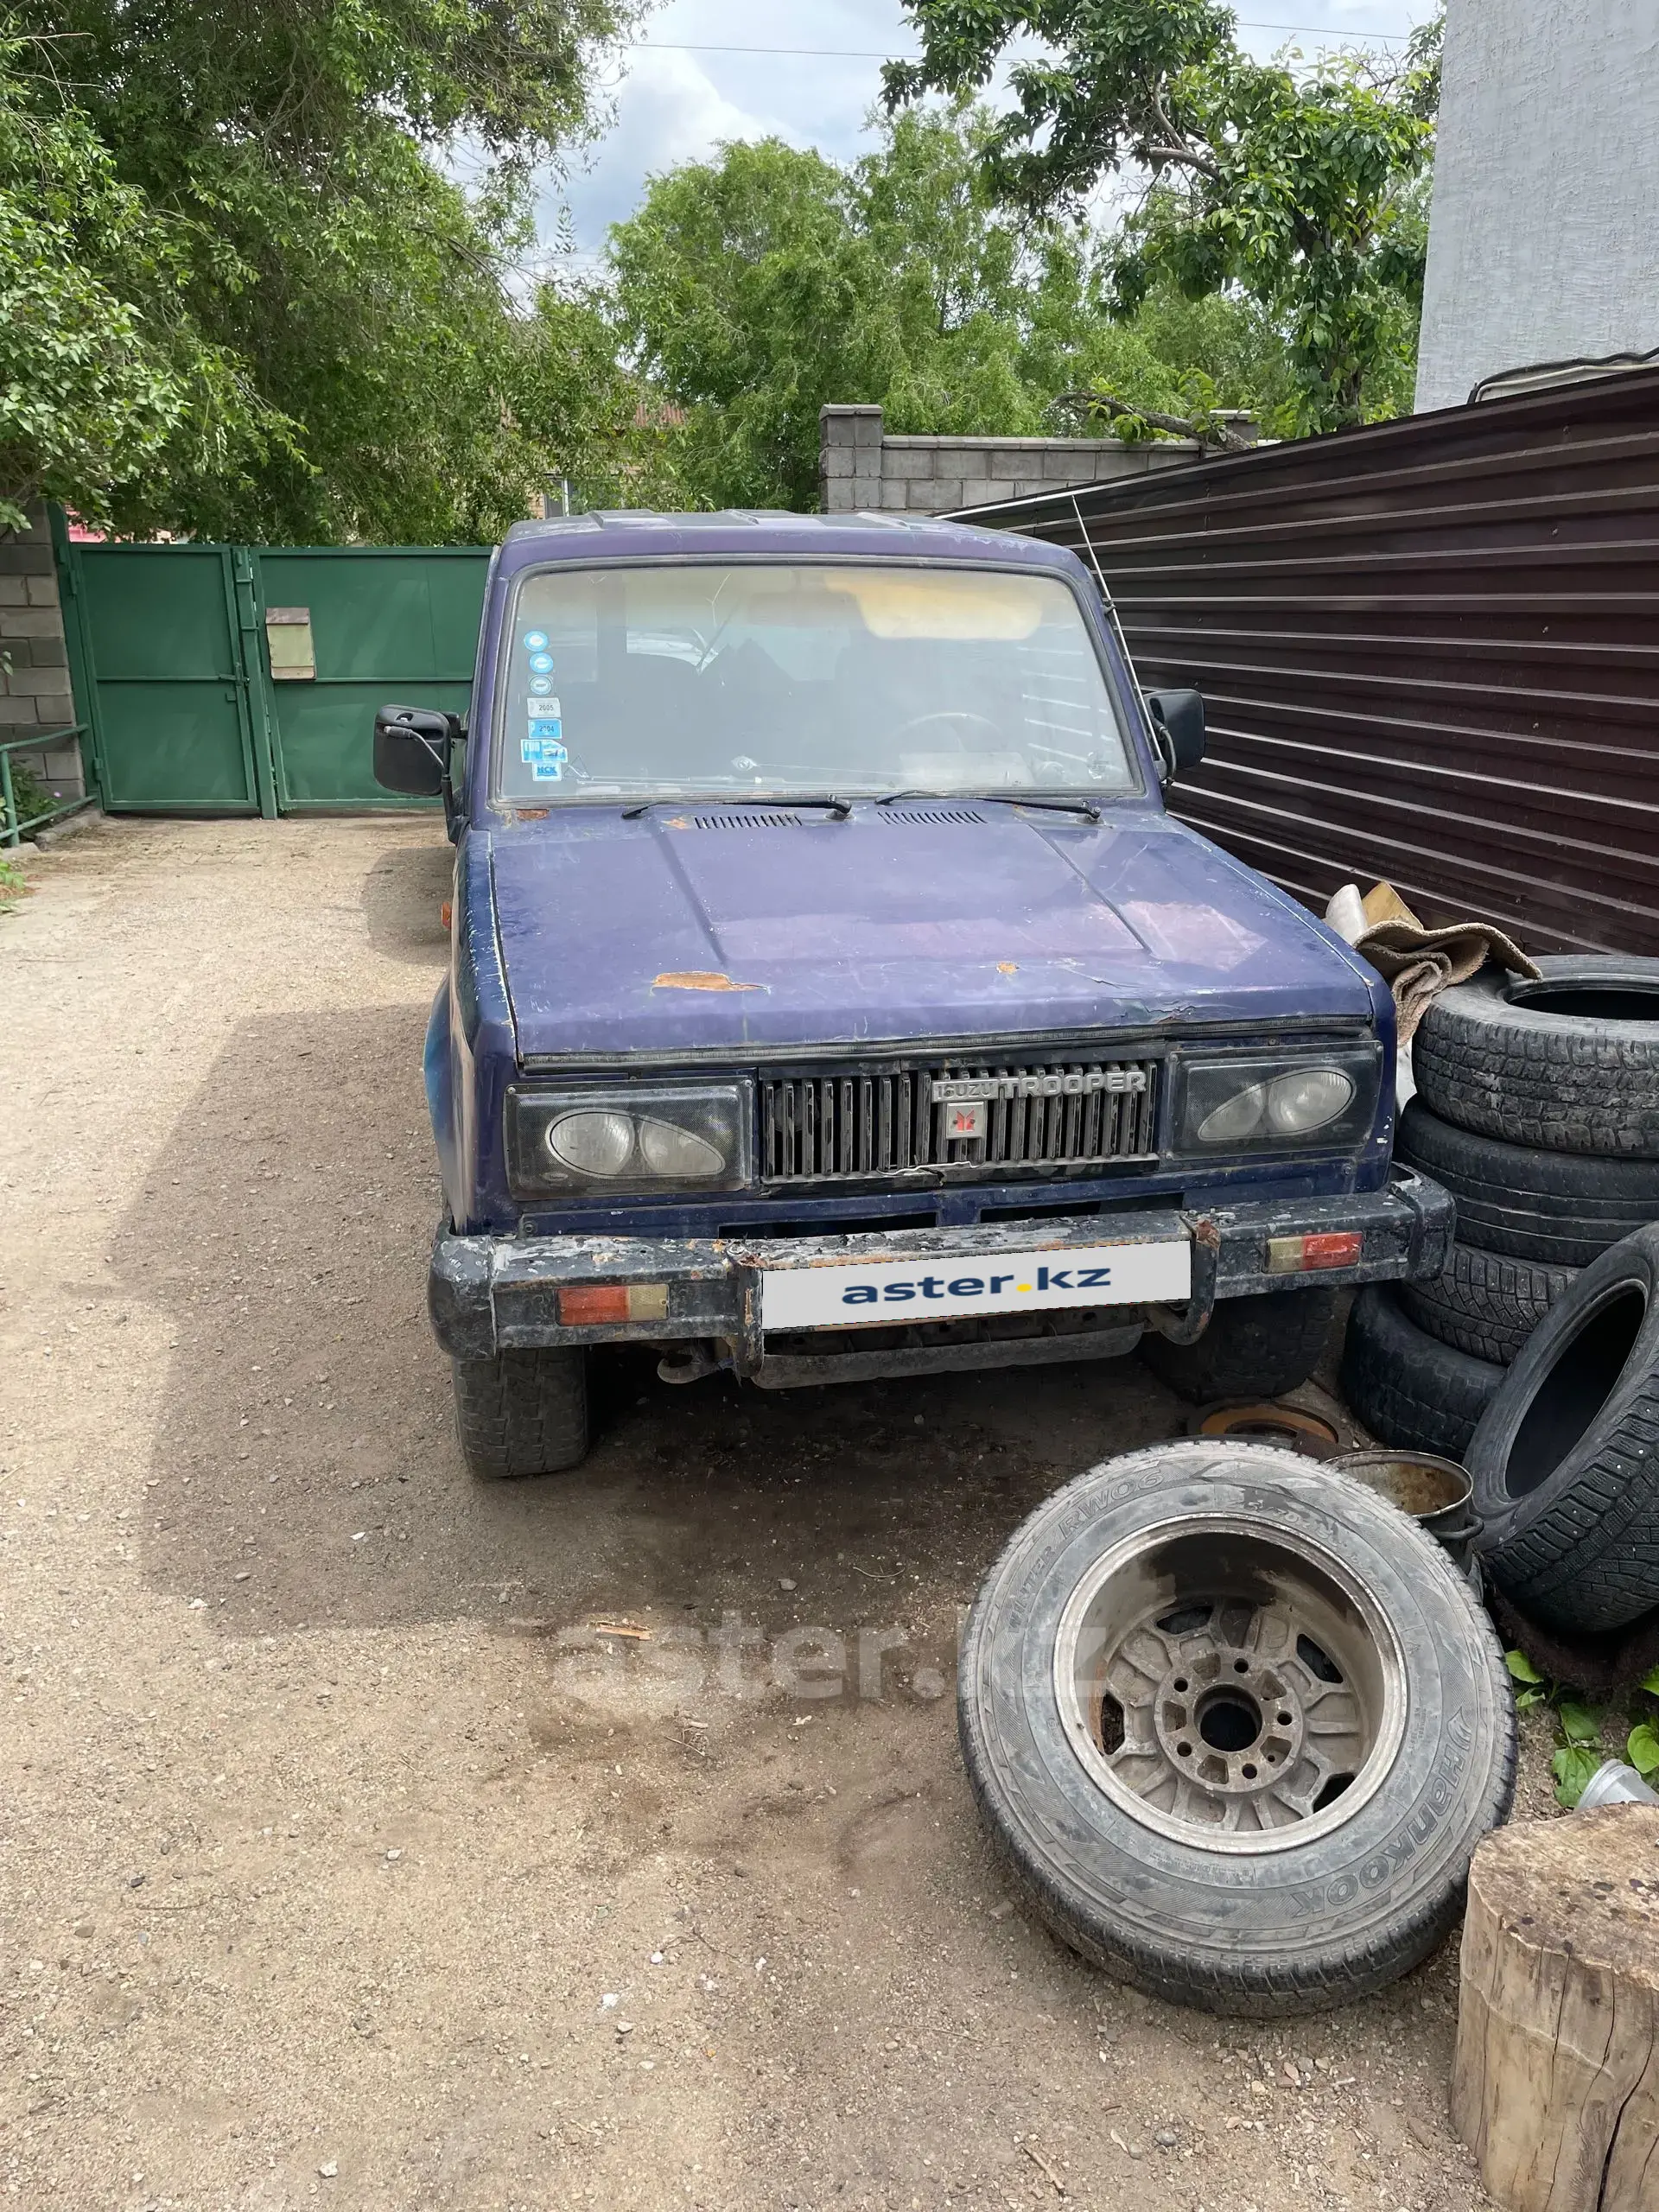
[341, 1862]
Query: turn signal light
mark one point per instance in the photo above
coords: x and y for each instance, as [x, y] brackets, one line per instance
[587, 1304]
[1294, 1256]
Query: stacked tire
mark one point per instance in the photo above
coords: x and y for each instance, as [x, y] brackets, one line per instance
[1537, 1107]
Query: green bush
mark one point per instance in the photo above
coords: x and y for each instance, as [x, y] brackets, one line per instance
[31, 796]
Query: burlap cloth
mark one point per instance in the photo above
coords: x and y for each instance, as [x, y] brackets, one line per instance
[1416, 962]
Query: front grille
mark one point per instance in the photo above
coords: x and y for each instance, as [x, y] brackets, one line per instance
[889, 1121]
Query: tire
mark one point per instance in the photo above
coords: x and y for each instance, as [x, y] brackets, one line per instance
[1570, 1063]
[1254, 1347]
[1410, 1389]
[1291, 1923]
[1565, 1460]
[523, 1413]
[1559, 1208]
[1484, 1305]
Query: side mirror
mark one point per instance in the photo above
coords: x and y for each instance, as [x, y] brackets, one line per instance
[411, 751]
[1178, 725]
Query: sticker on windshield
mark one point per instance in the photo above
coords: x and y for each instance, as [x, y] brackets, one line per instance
[540, 685]
[542, 711]
[542, 664]
[534, 641]
[542, 753]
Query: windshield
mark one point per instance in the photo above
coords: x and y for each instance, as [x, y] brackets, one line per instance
[698, 681]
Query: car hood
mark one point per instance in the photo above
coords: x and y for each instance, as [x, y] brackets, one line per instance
[676, 932]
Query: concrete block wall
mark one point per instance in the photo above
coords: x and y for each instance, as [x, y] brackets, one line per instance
[860, 468]
[35, 694]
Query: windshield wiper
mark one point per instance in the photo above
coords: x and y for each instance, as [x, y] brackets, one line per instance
[1051, 805]
[841, 808]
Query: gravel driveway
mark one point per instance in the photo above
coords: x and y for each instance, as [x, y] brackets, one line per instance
[346, 1858]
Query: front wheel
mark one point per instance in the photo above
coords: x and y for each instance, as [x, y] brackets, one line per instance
[523, 1413]
[1254, 1347]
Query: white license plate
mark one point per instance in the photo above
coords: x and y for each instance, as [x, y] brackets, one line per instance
[987, 1283]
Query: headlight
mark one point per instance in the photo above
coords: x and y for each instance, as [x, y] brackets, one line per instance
[1231, 1105]
[624, 1139]
[667, 1149]
[592, 1144]
[1308, 1100]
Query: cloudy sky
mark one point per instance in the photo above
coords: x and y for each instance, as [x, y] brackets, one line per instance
[709, 70]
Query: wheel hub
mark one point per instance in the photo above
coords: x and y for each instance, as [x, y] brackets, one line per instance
[1230, 1684]
[1226, 1721]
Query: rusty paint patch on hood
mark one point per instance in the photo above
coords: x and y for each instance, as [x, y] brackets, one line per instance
[700, 979]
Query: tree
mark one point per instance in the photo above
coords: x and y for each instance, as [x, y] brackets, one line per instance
[296, 325]
[747, 294]
[752, 288]
[602, 429]
[102, 367]
[1298, 186]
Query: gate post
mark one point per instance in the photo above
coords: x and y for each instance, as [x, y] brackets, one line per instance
[253, 685]
[83, 686]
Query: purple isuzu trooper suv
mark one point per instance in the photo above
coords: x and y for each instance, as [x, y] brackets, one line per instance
[832, 994]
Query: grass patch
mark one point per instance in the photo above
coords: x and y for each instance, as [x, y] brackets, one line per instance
[12, 885]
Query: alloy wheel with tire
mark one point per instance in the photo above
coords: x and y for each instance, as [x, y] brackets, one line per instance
[1568, 1062]
[1566, 1459]
[1236, 1725]
[523, 1413]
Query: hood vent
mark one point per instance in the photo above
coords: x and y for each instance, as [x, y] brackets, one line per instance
[746, 820]
[929, 814]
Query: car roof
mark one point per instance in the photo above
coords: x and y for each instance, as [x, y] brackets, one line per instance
[746, 532]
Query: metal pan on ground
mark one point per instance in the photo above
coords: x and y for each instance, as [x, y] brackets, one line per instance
[1436, 1493]
[1290, 1428]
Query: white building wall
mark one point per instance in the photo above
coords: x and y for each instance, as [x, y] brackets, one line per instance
[1543, 240]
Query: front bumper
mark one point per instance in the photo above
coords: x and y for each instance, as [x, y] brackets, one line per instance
[489, 1295]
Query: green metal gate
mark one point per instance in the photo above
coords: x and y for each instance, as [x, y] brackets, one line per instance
[236, 679]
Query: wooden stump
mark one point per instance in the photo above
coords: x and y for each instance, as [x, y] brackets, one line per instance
[1555, 2088]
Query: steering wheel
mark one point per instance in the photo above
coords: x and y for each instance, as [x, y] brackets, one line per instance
[958, 714]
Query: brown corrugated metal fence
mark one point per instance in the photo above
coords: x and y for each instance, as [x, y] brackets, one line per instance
[1429, 651]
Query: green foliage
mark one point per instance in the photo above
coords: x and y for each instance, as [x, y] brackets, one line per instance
[1642, 1748]
[29, 794]
[1535, 1688]
[753, 288]
[746, 293]
[1579, 1724]
[102, 368]
[1573, 1767]
[594, 422]
[239, 293]
[242, 294]
[1299, 187]
[13, 885]
[1578, 1754]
